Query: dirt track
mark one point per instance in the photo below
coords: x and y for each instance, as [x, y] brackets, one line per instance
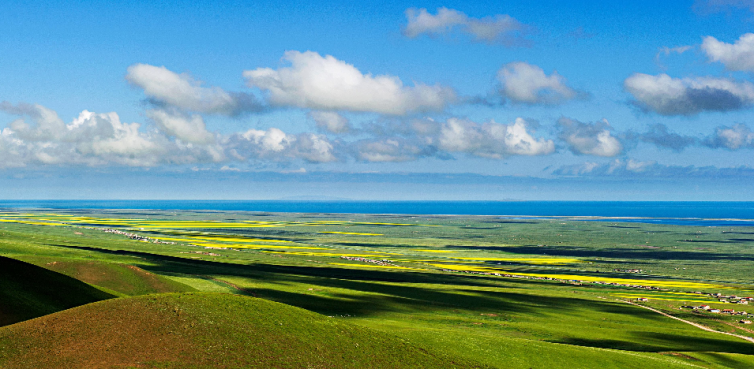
[692, 323]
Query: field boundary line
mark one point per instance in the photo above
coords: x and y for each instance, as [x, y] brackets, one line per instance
[702, 327]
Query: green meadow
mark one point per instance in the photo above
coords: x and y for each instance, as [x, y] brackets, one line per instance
[347, 290]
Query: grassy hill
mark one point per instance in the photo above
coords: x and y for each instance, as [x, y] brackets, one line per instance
[204, 330]
[123, 279]
[28, 291]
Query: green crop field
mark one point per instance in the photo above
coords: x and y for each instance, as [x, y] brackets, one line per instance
[379, 291]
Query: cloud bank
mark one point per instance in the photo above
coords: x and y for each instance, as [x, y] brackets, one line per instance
[40, 137]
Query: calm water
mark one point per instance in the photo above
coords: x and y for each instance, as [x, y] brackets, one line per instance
[685, 213]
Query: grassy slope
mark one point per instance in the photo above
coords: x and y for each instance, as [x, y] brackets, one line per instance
[204, 330]
[28, 291]
[45, 247]
[123, 278]
[535, 324]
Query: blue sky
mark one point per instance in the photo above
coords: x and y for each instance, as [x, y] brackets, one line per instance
[587, 100]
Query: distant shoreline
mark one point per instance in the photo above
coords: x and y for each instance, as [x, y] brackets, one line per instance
[653, 212]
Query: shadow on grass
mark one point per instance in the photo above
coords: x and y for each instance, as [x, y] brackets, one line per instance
[364, 293]
[373, 291]
[576, 251]
[660, 342]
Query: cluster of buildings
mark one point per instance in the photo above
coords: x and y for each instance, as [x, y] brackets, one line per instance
[571, 281]
[653, 288]
[633, 271]
[383, 262]
[733, 299]
[135, 236]
[712, 310]
[200, 252]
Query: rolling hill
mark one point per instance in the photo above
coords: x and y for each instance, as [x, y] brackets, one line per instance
[28, 291]
[205, 330]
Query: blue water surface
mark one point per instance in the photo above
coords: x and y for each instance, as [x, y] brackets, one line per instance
[684, 213]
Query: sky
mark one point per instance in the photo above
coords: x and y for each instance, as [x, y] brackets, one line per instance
[377, 100]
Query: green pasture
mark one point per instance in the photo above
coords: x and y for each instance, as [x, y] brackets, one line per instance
[495, 321]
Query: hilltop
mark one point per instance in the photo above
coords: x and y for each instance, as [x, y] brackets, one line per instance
[202, 330]
[28, 291]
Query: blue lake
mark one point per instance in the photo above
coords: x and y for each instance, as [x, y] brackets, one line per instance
[684, 213]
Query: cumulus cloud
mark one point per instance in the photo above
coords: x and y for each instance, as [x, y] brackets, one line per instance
[45, 123]
[688, 96]
[500, 29]
[326, 83]
[165, 87]
[187, 128]
[426, 137]
[40, 137]
[589, 138]
[491, 140]
[738, 56]
[90, 139]
[275, 144]
[735, 137]
[330, 121]
[525, 83]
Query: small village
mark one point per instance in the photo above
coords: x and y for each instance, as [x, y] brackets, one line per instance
[724, 299]
[383, 262]
[133, 236]
[569, 281]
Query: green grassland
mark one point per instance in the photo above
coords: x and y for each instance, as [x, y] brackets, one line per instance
[28, 291]
[477, 319]
[205, 330]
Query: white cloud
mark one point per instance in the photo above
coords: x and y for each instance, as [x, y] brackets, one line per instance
[330, 121]
[733, 138]
[47, 123]
[491, 140]
[737, 57]
[589, 138]
[313, 148]
[272, 140]
[326, 83]
[91, 139]
[184, 92]
[502, 29]
[526, 83]
[274, 144]
[181, 126]
[674, 96]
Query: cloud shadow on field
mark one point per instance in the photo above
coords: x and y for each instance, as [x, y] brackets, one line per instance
[624, 253]
[659, 342]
